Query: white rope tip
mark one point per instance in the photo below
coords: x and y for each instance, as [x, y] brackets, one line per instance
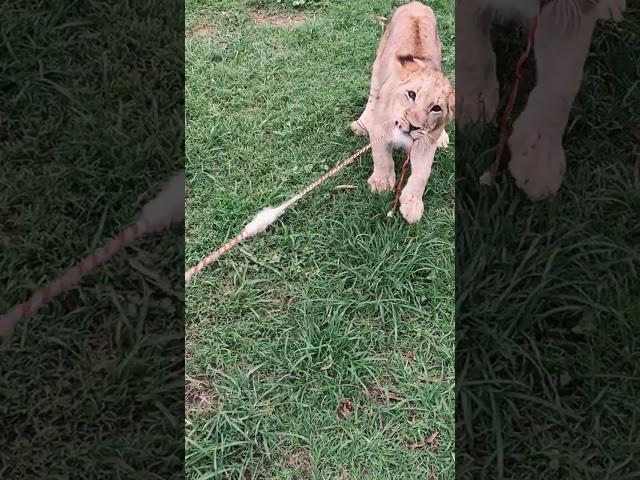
[487, 179]
[168, 206]
[262, 221]
[391, 213]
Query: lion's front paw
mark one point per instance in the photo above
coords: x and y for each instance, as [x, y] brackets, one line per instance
[478, 101]
[537, 163]
[380, 182]
[411, 207]
[358, 128]
[443, 140]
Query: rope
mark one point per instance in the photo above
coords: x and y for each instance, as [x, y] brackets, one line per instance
[508, 111]
[71, 277]
[166, 208]
[251, 230]
[403, 173]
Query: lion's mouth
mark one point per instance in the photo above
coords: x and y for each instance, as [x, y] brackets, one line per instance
[411, 131]
[414, 134]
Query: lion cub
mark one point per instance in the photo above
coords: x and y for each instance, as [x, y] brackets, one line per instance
[410, 102]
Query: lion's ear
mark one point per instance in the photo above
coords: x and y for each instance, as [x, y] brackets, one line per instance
[451, 103]
[408, 64]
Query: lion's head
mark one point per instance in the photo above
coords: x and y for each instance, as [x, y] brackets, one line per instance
[420, 99]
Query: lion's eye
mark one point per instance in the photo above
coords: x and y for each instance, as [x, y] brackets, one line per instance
[436, 108]
[412, 94]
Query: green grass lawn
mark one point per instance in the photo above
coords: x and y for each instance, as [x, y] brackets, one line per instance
[91, 385]
[324, 348]
[547, 326]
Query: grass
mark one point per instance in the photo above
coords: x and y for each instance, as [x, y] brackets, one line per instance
[90, 129]
[324, 348]
[547, 295]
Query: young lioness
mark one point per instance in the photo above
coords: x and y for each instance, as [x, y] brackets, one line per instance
[410, 102]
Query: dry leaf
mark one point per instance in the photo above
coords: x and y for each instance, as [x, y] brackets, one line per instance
[345, 409]
[204, 399]
[409, 357]
[198, 394]
[432, 440]
[326, 367]
[383, 397]
[392, 396]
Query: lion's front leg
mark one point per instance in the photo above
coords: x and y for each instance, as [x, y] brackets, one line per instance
[411, 205]
[477, 82]
[383, 177]
[537, 156]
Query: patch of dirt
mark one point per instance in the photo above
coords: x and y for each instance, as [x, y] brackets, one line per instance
[198, 395]
[263, 19]
[300, 461]
[204, 31]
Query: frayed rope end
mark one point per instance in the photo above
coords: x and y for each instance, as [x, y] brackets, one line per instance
[262, 221]
[167, 207]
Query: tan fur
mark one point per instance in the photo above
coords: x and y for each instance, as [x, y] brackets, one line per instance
[408, 60]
